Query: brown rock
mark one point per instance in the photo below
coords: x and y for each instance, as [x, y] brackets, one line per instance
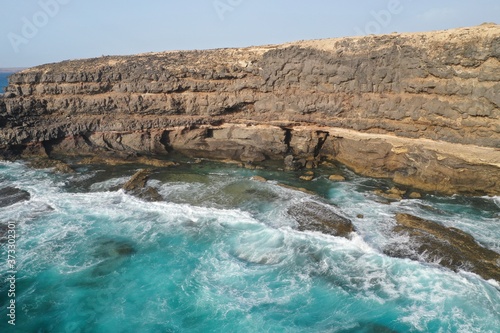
[308, 176]
[291, 164]
[314, 216]
[311, 165]
[252, 156]
[137, 186]
[327, 164]
[259, 179]
[450, 247]
[396, 191]
[46, 163]
[63, 168]
[154, 162]
[387, 195]
[415, 195]
[426, 165]
[336, 178]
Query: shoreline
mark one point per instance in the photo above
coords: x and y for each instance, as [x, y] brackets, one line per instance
[427, 165]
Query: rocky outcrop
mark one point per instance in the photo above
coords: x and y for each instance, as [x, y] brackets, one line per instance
[313, 216]
[406, 91]
[449, 247]
[12, 195]
[137, 186]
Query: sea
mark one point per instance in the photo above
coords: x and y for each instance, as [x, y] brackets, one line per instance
[221, 254]
[4, 81]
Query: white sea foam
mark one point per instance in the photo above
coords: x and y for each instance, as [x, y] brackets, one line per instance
[252, 262]
[108, 184]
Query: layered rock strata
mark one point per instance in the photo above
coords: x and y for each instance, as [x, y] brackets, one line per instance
[423, 109]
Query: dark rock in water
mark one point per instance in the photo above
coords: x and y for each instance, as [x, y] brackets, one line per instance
[11, 195]
[138, 181]
[137, 186]
[46, 163]
[450, 247]
[114, 253]
[111, 248]
[4, 230]
[369, 328]
[318, 217]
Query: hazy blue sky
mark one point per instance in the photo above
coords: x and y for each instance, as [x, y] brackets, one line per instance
[33, 32]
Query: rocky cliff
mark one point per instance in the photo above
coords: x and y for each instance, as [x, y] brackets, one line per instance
[423, 109]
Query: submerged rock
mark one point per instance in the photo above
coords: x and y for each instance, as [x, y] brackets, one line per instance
[111, 248]
[11, 195]
[137, 186]
[46, 163]
[369, 328]
[113, 254]
[450, 247]
[314, 216]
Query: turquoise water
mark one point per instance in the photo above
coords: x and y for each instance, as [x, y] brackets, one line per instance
[4, 81]
[220, 254]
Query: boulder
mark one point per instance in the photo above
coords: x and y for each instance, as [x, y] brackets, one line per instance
[415, 195]
[315, 216]
[308, 176]
[336, 178]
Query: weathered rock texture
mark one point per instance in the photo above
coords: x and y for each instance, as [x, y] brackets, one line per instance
[450, 247]
[137, 186]
[311, 215]
[12, 195]
[246, 104]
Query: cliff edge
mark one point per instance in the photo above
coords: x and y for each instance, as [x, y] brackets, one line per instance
[422, 109]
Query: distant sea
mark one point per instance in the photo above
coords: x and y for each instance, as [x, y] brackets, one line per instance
[4, 81]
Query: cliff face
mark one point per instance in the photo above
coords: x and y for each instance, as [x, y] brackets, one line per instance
[367, 102]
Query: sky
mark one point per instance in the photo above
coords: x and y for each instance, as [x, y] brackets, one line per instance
[34, 32]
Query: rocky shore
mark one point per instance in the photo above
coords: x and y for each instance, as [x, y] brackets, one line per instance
[422, 109]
